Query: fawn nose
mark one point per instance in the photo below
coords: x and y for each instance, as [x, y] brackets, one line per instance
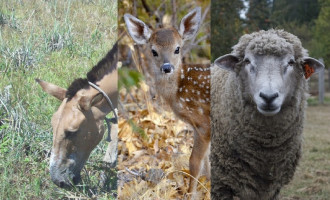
[166, 68]
[268, 98]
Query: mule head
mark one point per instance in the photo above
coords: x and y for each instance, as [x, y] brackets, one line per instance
[77, 129]
[164, 44]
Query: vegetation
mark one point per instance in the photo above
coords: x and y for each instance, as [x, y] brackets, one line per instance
[56, 41]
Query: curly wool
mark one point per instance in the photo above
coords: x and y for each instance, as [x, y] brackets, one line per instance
[253, 156]
[273, 41]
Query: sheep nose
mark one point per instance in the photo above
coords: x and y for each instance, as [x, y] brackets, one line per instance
[166, 68]
[268, 98]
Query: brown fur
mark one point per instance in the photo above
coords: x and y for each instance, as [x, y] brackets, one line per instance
[164, 37]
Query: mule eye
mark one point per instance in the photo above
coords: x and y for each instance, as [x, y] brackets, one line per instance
[247, 61]
[154, 53]
[177, 50]
[291, 62]
[69, 134]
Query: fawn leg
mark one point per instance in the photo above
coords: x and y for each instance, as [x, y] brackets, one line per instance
[201, 146]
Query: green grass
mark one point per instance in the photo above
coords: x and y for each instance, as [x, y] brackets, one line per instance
[56, 41]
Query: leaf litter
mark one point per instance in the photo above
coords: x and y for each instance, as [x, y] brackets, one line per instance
[153, 150]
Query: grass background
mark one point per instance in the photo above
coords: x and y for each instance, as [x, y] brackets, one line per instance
[56, 41]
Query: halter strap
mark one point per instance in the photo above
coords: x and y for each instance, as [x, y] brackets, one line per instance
[111, 106]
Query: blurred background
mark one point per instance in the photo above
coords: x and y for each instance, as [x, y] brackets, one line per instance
[310, 21]
[56, 41]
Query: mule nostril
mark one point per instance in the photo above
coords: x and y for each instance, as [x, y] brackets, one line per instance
[76, 180]
[61, 184]
[268, 98]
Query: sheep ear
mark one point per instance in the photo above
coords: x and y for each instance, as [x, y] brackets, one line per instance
[311, 66]
[227, 62]
[190, 23]
[137, 29]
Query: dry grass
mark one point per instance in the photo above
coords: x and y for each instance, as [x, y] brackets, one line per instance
[57, 41]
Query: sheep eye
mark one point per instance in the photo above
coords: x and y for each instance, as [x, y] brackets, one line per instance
[177, 50]
[154, 53]
[291, 62]
[247, 61]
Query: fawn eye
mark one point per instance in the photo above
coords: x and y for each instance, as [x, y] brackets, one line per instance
[154, 53]
[177, 50]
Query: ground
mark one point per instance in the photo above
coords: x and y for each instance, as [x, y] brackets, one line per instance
[154, 149]
[312, 178]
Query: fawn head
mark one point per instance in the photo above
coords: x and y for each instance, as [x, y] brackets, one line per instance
[165, 43]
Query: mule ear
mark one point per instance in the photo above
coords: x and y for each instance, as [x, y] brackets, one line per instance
[190, 23]
[227, 62]
[86, 101]
[137, 29]
[52, 89]
[311, 65]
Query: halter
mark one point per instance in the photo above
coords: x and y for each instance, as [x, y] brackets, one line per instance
[107, 120]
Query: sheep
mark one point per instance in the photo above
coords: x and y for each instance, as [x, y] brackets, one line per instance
[258, 100]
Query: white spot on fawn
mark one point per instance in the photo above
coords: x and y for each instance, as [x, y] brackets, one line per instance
[182, 74]
[180, 104]
[181, 99]
[200, 110]
[187, 99]
[180, 89]
[186, 90]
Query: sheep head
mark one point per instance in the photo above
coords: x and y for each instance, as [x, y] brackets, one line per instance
[271, 64]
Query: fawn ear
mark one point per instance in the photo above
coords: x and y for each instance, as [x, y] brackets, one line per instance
[52, 89]
[311, 65]
[227, 62]
[137, 29]
[190, 23]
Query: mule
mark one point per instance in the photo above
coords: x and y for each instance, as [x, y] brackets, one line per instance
[78, 123]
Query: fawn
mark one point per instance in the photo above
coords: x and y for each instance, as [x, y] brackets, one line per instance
[186, 88]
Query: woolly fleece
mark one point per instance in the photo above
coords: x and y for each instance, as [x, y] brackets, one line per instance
[253, 156]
